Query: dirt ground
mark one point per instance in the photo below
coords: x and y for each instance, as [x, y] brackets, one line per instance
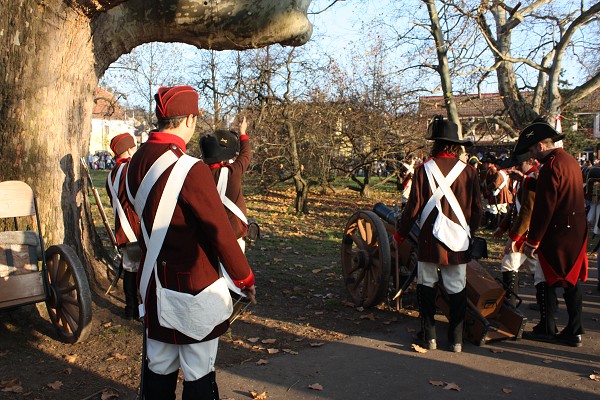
[302, 304]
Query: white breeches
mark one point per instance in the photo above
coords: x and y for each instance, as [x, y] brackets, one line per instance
[454, 276]
[195, 360]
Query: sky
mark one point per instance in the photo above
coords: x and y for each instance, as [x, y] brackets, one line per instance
[338, 30]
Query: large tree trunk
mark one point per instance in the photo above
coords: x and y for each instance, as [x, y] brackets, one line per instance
[53, 53]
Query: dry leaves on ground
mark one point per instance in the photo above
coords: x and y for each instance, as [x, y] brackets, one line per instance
[258, 396]
[315, 386]
[13, 386]
[418, 348]
[56, 385]
[446, 385]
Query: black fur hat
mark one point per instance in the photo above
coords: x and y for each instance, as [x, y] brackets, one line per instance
[212, 152]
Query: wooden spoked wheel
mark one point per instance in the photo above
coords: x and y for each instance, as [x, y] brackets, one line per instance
[69, 300]
[366, 258]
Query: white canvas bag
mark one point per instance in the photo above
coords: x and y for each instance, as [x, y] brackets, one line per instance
[456, 237]
[193, 315]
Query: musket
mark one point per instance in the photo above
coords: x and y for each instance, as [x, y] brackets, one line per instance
[106, 223]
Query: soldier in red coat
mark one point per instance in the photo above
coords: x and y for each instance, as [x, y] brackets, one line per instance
[225, 152]
[127, 223]
[198, 237]
[445, 199]
[557, 232]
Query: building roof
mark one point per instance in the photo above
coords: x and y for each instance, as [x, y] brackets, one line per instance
[106, 105]
[469, 105]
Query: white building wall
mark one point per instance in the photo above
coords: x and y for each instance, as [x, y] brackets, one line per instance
[103, 130]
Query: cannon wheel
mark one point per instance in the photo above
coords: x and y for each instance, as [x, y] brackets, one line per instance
[69, 299]
[366, 258]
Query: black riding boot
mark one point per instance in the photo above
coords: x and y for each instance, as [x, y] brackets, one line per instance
[571, 335]
[546, 330]
[426, 300]
[511, 280]
[131, 297]
[458, 309]
[204, 388]
[159, 387]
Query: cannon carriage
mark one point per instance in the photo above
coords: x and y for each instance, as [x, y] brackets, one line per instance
[30, 274]
[372, 271]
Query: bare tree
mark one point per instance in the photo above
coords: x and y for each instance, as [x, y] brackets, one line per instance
[141, 72]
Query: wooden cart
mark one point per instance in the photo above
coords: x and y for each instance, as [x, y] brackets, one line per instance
[29, 274]
[368, 265]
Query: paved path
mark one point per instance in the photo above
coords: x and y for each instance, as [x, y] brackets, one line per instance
[382, 365]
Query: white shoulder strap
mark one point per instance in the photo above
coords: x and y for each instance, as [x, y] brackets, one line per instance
[162, 220]
[504, 182]
[117, 207]
[222, 188]
[437, 192]
[157, 169]
[444, 185]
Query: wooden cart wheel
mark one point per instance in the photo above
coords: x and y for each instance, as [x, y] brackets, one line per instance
[69, 299]
[366, 258]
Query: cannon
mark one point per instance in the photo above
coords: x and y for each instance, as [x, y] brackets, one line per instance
[369, 267]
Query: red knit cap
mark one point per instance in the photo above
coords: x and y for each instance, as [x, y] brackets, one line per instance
[121, 143]
[176, 101]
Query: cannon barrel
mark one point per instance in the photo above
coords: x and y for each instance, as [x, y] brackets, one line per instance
[386, 213]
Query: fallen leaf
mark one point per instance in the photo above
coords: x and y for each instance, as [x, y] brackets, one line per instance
[595, 377]
[317, 344]
[319, 313]
[418, 348]
[268, 341]
[547, 361]
[13, 386]
[437, 383]
[107, 325]
[258, 396]
[3, 353]
[253, 339]
[108, 394]
[71, 358]
[497, 351]
[507, 390]
[289, 351]
[56, 385]
[360, 309]
[316, 271]
[368, 316]
[262, 362]
[315, 386]
[69, 371]
[452, 386]
[272, 351]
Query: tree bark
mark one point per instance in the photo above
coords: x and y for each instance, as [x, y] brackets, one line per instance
[443, 67]
[53, 53]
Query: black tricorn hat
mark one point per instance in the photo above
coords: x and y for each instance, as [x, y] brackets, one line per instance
[441, 129]
[534, 133]
[514, 159]
[219, 147]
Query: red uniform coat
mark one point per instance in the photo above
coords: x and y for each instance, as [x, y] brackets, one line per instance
[467, 191]
[132, 217]
[495, 179]
[558, 222]
[526, 199]
[234, 184]
[198, 237]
